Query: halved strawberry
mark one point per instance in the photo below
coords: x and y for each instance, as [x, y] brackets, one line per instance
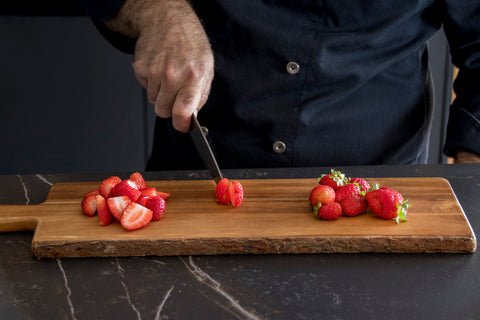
[221, 193]
[235, 191]
[107, 185]
[164, 195]
[157, 205]
[142, 200]
[104, 215]
[138, 179]
[126, 188]
[117, 205]
[135, 216]
[149, 192]
[89, 204]
[96, 191]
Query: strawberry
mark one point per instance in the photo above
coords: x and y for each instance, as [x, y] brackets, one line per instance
[96, 191]
[116, 205]
[328, 211]
[138, 179]
[221, 193]
[353, 205]
[335, 179]
[149, 192]
[104, 215]
[89, 204]
[387, 203]
[107, 185]
[164, 195]
[321, 194]
[126, 188]
[142, 200]
[135, 216]
[346, 190]
[235, 191]
[362, 184]
[157, 205]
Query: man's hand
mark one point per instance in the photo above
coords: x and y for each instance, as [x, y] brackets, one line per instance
[173, 60]
[466, 157]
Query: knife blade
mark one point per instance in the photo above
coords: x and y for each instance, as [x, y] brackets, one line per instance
[204, 150]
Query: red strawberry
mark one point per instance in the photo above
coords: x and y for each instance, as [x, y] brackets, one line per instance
[89, 204]
[126, 188]
[335, 179]
[387, 204]
[149, 192]
[322, 194]
[362, 184]
[221, 193]
[329, 211]
[117, 205]
[142, 200]
[164, 195]
[235, 191]
[135, 216]
[157, 205]
[346, 190]
[107, 185]
[138, 179]
[104, 215]
[96, 191]
[353, 205]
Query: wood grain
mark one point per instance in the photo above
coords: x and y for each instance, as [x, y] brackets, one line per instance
[275, 218]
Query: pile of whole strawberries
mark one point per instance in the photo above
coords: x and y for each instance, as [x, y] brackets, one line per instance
[129, 201]
[336, 195]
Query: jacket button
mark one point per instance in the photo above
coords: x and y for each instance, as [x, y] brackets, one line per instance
[279, 147]
[205, 130]
[293, 67]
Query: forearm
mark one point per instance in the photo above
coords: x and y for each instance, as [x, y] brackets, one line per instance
[466, 157]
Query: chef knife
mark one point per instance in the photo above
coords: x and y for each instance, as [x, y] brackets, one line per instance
[204, 150]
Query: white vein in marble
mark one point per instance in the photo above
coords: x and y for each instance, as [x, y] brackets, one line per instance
[204, 278]
[121, 272]
[44, 180]
[160, 307]
[69, 292]
[25, 190]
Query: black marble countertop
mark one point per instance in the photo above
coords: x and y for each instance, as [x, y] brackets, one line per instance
[317, 286]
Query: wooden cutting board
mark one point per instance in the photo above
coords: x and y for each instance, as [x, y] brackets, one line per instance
[275, 218]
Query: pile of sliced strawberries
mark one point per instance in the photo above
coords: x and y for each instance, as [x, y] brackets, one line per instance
[130, 201]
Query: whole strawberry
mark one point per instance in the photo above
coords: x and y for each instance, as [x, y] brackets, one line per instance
[321, 194]
[346, 190]
[354, 205]
[328, 211]
[387, 203]
[335, 179]
[362, 184]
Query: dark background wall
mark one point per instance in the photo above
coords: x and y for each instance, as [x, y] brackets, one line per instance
[70, 102]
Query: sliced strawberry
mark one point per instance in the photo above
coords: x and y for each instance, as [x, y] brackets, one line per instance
[149, 192]
[138, 179]
[235, 191]
[164, 195]
[126, 188]
[107, 185]
[117, 205]
[142, 200]
[105, 217]
[96, 191]
[135, 216]
[221, 193]
[89, 204]
[157, 205]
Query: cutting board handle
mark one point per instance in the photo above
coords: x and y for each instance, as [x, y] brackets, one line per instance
[18, 218]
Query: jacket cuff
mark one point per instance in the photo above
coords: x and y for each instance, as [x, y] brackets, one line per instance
[463, 132]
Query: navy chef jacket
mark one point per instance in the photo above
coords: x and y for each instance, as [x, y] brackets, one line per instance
[323, 83]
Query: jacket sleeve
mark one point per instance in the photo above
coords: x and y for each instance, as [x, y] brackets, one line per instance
[101, 10]
[462, 28]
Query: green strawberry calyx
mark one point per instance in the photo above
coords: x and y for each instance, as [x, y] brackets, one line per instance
[315, 209]
[336, 176]
[402, 210]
